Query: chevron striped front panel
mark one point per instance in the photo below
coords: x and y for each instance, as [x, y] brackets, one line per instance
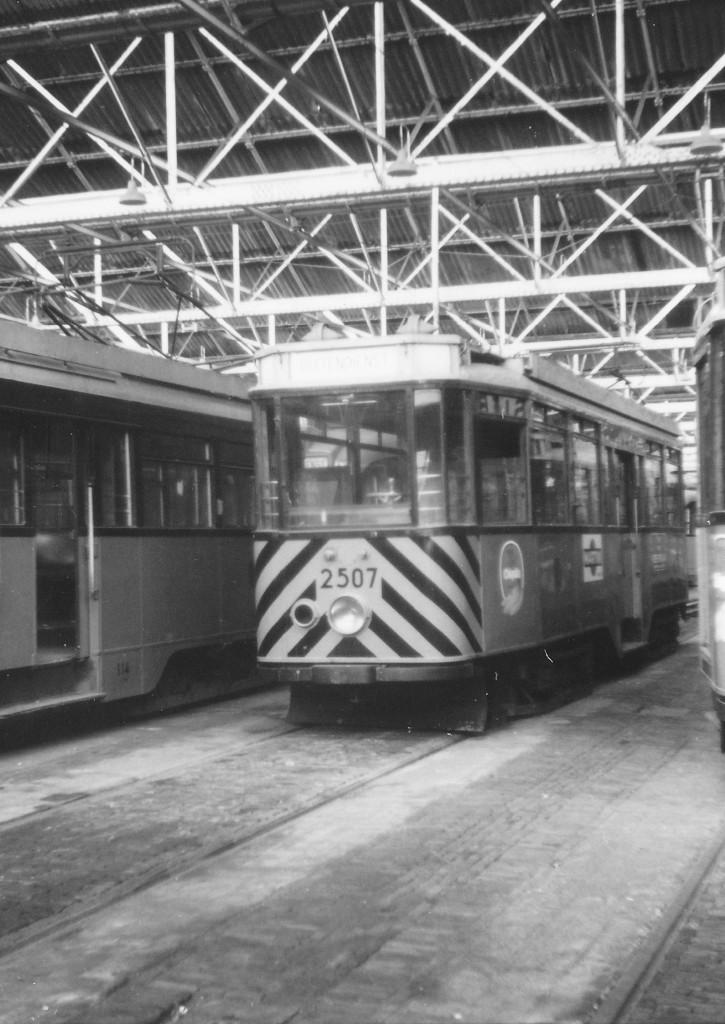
[421, 599]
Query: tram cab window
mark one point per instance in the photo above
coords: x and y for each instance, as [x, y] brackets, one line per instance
[12, 478]
[344, 459]
[673, 487]
[115, 478]
[500, 471]
[549, 497]
[653, 486]
[585, 471]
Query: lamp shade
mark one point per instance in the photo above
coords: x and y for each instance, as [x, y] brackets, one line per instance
[403, 166]
[133, 196]
[706, 144]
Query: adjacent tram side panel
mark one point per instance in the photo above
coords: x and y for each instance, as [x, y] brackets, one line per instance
[709, 357]
[126, 506]
[434, 526]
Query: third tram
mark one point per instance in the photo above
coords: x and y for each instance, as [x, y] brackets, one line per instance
[709, 359]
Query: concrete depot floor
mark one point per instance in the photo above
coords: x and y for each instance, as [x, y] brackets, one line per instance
[512, 877]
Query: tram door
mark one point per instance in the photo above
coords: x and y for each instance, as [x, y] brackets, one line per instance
[631, 555]
[53, 495]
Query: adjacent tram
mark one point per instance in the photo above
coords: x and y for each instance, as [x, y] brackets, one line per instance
[443, 528]
[126, 505]
[709, 359]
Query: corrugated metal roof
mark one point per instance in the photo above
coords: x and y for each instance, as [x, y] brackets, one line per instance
[59, 46]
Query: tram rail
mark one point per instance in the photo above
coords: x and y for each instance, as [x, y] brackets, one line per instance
[544, 871]
[620, 1003]
[57, 896]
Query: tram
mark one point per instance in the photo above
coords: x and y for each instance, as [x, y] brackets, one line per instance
[442, 528]
[126, 507]
[709, 360]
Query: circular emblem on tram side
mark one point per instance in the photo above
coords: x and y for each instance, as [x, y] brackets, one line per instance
[511, 577]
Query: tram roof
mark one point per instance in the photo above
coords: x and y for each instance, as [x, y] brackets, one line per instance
[117, 374]
[405, 358]
[553, 377]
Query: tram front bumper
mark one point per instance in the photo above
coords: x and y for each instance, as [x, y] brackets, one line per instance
[366, 675]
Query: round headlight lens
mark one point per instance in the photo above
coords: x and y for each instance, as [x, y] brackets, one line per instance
[305, 613]
[348, 614]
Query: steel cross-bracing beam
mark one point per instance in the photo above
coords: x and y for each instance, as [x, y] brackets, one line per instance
[592, 241]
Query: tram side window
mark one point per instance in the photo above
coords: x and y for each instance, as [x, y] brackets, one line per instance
[12, 479]
[460, 502]
[610, 502]
[266, 439]
[673, 487]
[500, 471]
[176, 482]
[653, 496]
[548, 475]
[585, 472]
[237, 486]
[428, 456]
[115, 478]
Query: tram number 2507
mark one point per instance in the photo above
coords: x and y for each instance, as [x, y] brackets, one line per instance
[341, 578]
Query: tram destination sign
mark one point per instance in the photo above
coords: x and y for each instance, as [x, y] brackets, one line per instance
[308, 364]
[493, 404]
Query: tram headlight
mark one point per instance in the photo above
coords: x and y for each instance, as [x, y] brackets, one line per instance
[305, 613]
[348, 614]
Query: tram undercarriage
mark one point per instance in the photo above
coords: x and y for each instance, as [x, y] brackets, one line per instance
[481, 694]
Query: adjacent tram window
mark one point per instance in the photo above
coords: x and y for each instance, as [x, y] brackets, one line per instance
[176, 482]
[12, 479]
[52, 472]
[428, 456]
[115, 478]
[548, 475]
[500, 471]
[237, 486]
[653, 497]
[585, 472]
[673, 487]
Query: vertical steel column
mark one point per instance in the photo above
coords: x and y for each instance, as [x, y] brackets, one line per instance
[710, 250]
[623, 330]
[536, 214]
[435, 254]
[236, 278]
[619, 70]
[171, 144]
[97, 273]
[380, 124]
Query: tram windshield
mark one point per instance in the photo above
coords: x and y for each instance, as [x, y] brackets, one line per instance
[342, 458]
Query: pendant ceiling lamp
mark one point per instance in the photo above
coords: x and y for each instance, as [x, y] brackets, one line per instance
[133, 196]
